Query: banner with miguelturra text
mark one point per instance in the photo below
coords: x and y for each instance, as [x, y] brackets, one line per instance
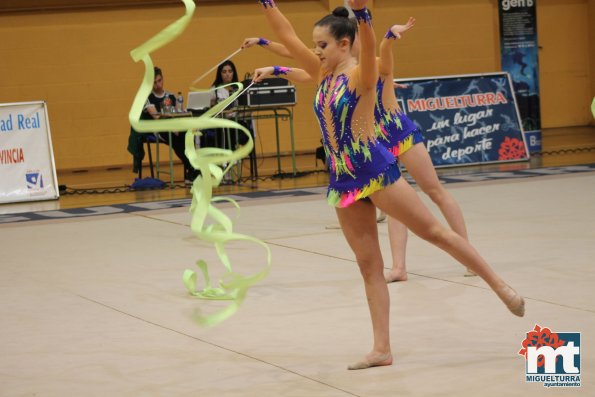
[465, 120]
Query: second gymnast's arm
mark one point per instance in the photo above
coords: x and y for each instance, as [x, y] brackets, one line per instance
[294, 75]
[386, 62]
[274, 47]
[287, 36]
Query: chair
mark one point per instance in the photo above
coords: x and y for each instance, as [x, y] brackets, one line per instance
[148, 139]
[231, 138]
[154, 139]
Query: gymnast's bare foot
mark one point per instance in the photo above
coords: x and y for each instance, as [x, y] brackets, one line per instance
[373, 360]
[395, 275]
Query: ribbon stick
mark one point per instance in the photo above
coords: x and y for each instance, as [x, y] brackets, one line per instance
[209, 162]
[202, 76]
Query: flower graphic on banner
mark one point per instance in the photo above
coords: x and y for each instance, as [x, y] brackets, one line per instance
[511, 149]
[541, 337]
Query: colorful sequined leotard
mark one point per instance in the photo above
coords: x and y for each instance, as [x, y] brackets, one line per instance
[394, 129]
[358, 164]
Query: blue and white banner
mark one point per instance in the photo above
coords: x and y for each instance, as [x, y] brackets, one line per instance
[27, 170]
[520, 58]
[470, 119]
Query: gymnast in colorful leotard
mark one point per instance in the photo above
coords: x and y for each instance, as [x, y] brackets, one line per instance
[396, 132]
[364, 174]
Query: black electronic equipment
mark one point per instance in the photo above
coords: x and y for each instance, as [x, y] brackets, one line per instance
[268, 93]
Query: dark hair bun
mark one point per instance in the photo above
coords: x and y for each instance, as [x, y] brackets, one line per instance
[341, 12]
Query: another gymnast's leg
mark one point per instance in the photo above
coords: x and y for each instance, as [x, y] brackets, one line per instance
[397, 235]
[420, 167]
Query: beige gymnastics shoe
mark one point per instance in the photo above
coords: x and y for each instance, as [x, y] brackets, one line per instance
[513, 301]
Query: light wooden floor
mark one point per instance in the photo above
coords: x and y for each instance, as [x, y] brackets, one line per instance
[95, 306]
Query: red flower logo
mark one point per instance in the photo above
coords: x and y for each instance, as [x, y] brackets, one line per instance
[541, 337]
[511, 149]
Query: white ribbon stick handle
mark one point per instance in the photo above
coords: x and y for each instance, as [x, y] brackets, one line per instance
[215, 67]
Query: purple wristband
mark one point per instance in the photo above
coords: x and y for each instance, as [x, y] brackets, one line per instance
[267, 3]
[263, 42]
[279, 70]
[389, 34]
[363, 16]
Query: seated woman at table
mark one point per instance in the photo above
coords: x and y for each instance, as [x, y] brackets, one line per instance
[226, 74]
[152, 110]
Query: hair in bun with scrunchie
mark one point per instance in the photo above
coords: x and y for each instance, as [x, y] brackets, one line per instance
[341, 12]
[339, 24]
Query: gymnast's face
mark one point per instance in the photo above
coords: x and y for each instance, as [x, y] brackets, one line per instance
[227, 74]
[329, 50]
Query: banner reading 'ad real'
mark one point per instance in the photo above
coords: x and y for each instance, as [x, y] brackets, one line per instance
[26, 158]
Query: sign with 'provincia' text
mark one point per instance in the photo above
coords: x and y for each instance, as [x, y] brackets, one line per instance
[27, 165]
[470, 119]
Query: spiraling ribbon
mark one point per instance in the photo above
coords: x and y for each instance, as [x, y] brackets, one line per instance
[211, 164]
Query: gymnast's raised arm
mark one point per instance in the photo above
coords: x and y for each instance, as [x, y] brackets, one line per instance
[287, 36]
[275, 48]
[368, 70]
[386, 62]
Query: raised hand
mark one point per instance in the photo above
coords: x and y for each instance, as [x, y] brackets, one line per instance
[397, 30]
[249, 42]
[267, 3]
[357, 4]
[262, 73]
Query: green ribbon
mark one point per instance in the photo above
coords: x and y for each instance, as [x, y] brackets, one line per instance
[209, 161]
